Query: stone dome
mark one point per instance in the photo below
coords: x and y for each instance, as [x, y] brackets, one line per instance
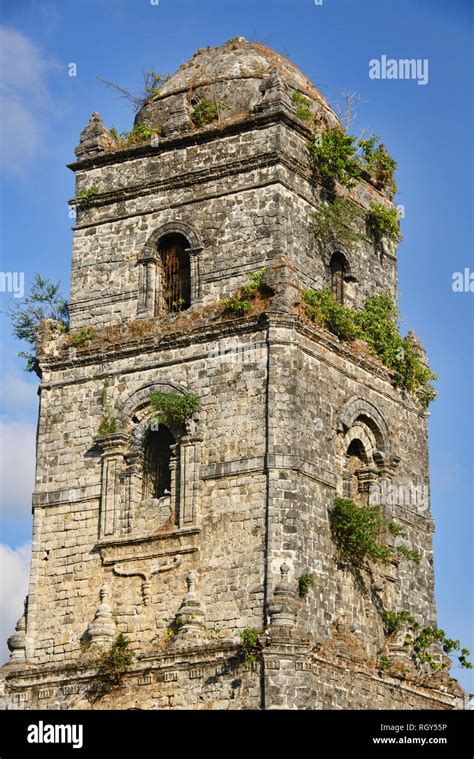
[233, 73]
[236, 59]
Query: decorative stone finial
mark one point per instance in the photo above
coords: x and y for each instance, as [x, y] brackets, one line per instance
[283, 605]
[94, 138]
[17, 642]
[102, 630]
[275, 92]
[190, 616]
[284, 584]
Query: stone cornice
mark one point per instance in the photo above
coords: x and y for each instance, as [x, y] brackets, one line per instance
[253, 122]
[225, 328]
[190, 178]
[185, 179]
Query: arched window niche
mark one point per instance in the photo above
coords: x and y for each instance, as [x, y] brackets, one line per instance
[341, 275]
[364, 450]
[153, 477]
[158, 452]
[355, 465]
[169, 271]
[150, 471]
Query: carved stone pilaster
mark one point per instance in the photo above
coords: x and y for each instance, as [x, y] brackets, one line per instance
[147, 287]
[366, 479]
[195, 272]
[190, 461]
[113, 447]
[391, 467]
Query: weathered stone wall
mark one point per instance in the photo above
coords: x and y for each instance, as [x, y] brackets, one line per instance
[254, 471]
[309, 388]
[68, 567]
[246, 193]
[270, 470]
[216, 677]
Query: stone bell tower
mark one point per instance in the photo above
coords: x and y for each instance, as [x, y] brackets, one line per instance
[183, 533]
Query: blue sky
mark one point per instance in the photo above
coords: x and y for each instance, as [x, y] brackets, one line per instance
[427, 128]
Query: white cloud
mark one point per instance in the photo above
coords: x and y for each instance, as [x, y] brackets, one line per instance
[14, 575]
[17, 464]
[24, 99]
[19, 395]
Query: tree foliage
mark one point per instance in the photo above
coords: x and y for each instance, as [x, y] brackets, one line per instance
[44, 301]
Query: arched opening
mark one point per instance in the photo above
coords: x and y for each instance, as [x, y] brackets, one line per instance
[175, 272]
[338, 271]
[156, 463]
[355, 464]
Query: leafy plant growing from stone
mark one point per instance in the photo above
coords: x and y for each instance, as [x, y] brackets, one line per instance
[173, 407]
[377, 323]
[302, 103]
[116, 662]
[173, 629]
[87, 195]
[323, 308]
[305, 582]
[379, 162]
[419, 639]
[360, 533]
[383, 222]
[44, 301]
[241, 302]
[334, 157]
[136, 136]
[339, 157]
[338, 220]
[206, 111]
[82, 336]
[249, 644]
[108, 424]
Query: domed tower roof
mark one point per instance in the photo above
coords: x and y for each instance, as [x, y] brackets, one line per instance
[236, 59]
[234, 74]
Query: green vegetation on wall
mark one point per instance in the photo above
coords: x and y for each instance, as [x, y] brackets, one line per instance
[173, 408]
[136, 136]
[339, 157]
[305, 582]
[116, 662]
[108, 424]
[241, 302]
[360, 533]
[87, 195]
[44, 301]
[250, 645]
[206, 111]
[338, 220]
[302, 103]
[420, 639]
[378, 324]
[383, 222]
[334, 157]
